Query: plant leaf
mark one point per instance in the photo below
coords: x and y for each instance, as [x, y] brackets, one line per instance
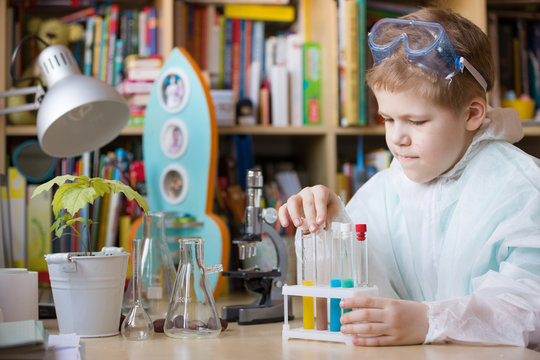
[76, 196]
[59, 180]
[74, 220]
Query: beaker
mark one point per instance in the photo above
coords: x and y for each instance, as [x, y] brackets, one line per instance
[137, 325]
[192, 312]
[158, 271]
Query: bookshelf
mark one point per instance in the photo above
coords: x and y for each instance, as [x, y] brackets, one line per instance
[317, 147]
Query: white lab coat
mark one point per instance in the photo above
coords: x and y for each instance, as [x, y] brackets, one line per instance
[467, 244]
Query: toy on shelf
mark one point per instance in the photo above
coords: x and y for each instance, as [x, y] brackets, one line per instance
[180, 146]
[334, 266]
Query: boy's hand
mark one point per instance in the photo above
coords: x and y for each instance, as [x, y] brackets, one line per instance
[384, 321]
[315, 204]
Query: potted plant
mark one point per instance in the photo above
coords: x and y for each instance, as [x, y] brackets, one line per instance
[87, 287]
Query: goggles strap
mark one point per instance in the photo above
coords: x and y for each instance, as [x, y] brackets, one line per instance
[474, 72]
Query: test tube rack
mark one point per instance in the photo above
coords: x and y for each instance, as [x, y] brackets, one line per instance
[320, 292]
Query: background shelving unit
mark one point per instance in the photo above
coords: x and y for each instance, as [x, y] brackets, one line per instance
[316, 147]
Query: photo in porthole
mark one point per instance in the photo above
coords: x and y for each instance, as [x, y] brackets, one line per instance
[174, 138]
[174, 90]
[174, 183]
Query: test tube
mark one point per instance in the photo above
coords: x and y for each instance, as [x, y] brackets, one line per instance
[347, 275]
[323, 278]
[308, 277]
[335, 276]
[360, 256]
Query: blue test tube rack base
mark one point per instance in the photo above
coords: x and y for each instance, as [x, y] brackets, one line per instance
[320, 292]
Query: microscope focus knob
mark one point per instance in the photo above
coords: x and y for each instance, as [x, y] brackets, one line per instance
[269, 215]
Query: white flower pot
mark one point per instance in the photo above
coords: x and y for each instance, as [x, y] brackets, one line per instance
[88, 291]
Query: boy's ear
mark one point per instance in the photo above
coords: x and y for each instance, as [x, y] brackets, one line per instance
[476, 113]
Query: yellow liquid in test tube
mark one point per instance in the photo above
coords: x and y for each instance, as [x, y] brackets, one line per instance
[308, 308]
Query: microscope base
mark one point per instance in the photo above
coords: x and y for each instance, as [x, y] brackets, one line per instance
[251, 314]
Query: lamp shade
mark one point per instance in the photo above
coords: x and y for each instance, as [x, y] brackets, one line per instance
[78, 113]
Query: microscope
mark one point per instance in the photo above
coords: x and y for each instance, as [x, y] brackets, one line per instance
[268, 307]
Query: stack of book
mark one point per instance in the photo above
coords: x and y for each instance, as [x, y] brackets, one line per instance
[141, 72]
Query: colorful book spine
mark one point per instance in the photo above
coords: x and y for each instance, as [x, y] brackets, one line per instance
[113, 35]
[97, 45]
[260, 12]
[228, 54]
[235, 84]
[242, 66]
[88, 43]
[118, 60]
[362, 65]
[103, 54]
[152, 39]
[17, 209]
[246, 69]
[312, 98]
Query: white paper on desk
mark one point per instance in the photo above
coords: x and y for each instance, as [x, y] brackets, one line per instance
[65, 346]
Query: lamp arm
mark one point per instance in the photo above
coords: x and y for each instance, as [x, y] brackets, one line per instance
[37, 90]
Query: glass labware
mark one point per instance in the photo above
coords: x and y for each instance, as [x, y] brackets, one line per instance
[192, 312]
[158, 270]
[137, 325]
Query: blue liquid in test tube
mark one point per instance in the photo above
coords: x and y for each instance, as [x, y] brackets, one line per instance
[335, 276]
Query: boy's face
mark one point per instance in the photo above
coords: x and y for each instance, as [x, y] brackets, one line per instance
[425, 138]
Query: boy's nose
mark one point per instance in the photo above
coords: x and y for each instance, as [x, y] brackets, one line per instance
[398, 135]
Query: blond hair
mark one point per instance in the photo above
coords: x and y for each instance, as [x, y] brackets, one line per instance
[396, 73]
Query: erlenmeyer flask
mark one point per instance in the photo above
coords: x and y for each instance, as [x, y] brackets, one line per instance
[137, 325]
[192, 311]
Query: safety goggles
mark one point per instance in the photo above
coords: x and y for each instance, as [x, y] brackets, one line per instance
[426, 45]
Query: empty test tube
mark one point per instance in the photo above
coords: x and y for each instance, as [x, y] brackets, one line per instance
[347, 275]
[322, 251]
[360, 256]
[335, 276]
[308, 277]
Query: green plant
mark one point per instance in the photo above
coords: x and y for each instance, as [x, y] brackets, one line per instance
[74, 193]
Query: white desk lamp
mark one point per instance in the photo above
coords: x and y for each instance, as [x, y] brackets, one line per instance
[77, 113]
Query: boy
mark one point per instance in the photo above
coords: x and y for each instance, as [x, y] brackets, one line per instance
[454, 223]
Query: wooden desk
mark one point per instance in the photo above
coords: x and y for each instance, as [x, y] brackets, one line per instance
[264, 342]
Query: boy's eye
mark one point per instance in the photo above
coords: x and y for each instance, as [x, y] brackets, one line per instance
[418, 122]
[388, 120]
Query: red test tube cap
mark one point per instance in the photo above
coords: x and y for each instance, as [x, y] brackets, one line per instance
[361, 231]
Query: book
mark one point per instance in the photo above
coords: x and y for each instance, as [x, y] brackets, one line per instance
[6, 256]
[135, 61]
[283, 13]
[294, 69]
[350, 117]
[26, 339]
[97, 45]
[104, 44]
[228, 54]
[152, 38]
[134, 87]
[111, 46]
[88, 44]
[17, 209]
[143, 74]
[236, 58]
[362, 46]
[38, 222]
[257, 62]
[213, 45]
[279, 97]
[312, 95]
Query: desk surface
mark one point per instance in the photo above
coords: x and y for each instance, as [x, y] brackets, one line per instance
[265, 342]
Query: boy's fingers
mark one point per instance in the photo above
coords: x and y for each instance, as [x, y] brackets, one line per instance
[362, 302]
[283, 215]
[367, 328]
[361, 315]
